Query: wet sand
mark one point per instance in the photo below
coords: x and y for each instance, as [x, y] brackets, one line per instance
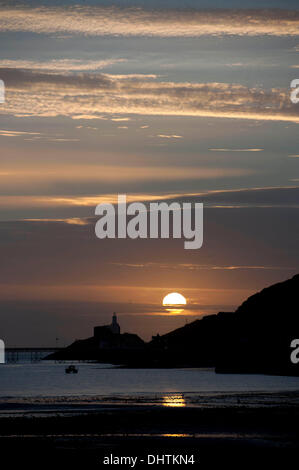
[233, 437]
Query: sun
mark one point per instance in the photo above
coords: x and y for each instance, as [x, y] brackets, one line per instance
[174, 300]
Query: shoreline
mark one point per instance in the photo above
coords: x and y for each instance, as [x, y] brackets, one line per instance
[88, 404]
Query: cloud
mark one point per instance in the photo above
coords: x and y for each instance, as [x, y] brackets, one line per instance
[103, 21]
[237, 64]
[121, 119]
[133, 76]
[35, 137]
[164, 136]
[69, 221]
[72, 206]
[25, 177]
[89, 96]
[9, 133]
[236, 150]
[293, 156]
[16, 78]
[88, 116]
[274, 197]
[59, 65]
[202, 267]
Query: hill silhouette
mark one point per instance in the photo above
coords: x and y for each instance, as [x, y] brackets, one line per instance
[261, 332]
[254, 339]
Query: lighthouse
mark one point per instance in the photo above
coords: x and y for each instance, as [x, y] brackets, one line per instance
[114, 327]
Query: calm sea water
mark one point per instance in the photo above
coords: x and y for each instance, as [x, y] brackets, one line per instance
[48, 379]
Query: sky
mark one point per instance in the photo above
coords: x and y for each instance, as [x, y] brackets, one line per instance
[159, 100]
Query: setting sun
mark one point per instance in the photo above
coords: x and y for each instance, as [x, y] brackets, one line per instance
[174, 299]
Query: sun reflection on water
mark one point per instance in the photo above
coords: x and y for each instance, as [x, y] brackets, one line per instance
[177, 400]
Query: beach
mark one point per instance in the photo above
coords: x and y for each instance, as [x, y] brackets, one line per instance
[213, 436]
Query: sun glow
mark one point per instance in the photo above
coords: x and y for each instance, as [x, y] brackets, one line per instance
[174, 299]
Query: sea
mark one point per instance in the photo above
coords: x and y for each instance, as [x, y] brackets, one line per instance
[44, 386]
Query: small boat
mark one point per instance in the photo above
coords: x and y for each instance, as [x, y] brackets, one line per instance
[71, 370]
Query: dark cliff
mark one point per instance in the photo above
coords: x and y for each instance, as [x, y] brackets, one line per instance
[254, 339]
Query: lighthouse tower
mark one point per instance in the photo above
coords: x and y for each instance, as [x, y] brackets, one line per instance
[115, 328]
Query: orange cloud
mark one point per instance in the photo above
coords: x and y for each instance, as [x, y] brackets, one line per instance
[101, 21]
[90, 95]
